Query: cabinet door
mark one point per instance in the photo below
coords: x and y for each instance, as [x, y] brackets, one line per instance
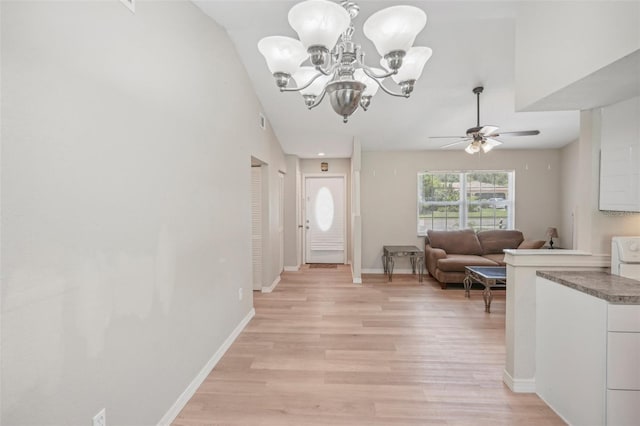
[623, 408]
[620, 157]
[623, 361]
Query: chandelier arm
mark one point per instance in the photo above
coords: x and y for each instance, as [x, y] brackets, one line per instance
[389, 92]
[318, 99]
[368, 71]
[329, 71]
[297, 89]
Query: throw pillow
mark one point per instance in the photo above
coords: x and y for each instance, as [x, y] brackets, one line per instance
[531, 244]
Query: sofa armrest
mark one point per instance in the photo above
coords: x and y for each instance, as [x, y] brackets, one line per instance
[432, 255]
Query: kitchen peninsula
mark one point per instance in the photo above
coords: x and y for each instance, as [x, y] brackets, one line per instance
[588, 346]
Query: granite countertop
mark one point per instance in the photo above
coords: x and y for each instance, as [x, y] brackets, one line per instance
[612, 288]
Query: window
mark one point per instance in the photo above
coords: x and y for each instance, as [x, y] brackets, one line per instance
[458, 200]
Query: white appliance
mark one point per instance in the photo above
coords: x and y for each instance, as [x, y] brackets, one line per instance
[625, 257]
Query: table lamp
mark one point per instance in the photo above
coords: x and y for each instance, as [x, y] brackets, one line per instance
[551, 234]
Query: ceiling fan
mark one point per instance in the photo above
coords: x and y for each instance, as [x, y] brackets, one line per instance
[482, 137]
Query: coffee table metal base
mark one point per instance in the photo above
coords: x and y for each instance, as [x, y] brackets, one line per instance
[489, 276]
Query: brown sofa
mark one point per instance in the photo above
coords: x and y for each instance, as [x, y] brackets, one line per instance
[448, 252]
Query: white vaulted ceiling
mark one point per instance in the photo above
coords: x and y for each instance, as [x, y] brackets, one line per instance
[473, 44]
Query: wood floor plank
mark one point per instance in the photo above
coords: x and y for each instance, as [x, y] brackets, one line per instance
[323, 351]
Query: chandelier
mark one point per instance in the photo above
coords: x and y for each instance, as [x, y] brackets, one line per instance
[337, 67]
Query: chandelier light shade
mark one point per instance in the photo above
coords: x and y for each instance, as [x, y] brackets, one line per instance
[394, 28]
[372, 86]
[412, 64]
[283, 54]
[336, 63]
[319, 22]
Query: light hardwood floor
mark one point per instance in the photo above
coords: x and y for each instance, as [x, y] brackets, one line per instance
[324, 351]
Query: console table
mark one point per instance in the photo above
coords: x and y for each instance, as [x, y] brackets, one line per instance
[416, 257]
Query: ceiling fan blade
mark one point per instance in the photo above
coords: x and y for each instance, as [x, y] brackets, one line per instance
[455, 143]
[446, 137]
[520, 133]
[488, 130]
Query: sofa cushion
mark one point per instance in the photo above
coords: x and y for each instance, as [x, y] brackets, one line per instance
[494, 241]
[531, 244]
[459, 242]
[457, 262]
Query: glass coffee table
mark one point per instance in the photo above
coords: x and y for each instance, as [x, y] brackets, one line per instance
[489, 276]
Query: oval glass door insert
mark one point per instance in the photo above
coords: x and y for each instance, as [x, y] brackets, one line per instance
[324, 209]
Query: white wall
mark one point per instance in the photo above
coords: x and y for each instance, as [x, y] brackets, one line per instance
[126, 146]
[569, 193]
[292, 247]
[561, 42]
[389, 193]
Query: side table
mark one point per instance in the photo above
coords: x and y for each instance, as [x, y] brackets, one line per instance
[416, 257]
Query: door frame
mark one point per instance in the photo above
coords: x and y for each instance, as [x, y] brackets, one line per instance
[305, 176]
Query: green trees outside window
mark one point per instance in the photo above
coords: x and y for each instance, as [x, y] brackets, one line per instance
[471, 199]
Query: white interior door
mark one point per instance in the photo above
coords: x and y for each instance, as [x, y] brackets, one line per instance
[256, 226]
[325, 219]
[281, 220]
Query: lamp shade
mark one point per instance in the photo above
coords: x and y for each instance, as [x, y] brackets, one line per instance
[412, 64]
[552, 232]
[302, 77]
[319, 22]
[472, 148]
[394, 28]
[372, 85]
[283, 54]
[489, 144]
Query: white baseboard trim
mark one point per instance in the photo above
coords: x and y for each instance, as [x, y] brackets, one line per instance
[554, 409]
[292, 268]
[272, 286]
[182, 400]
[519, 385]
[381, 271]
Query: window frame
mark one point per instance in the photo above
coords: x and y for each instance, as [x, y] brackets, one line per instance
[463, 203]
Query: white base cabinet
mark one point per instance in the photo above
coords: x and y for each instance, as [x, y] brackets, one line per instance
[587, 356]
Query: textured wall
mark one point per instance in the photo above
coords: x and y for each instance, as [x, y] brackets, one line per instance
[126, 145]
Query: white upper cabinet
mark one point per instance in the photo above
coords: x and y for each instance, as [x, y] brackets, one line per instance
[620, 157]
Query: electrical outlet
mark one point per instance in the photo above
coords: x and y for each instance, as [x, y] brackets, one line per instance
[100, 419]
[240, 293]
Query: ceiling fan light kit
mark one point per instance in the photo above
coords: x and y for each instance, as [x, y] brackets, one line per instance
[482, 138]
[338, 69]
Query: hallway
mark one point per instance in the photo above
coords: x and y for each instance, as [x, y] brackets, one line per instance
[321, 350]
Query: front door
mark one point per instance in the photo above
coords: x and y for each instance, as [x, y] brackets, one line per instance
[325, 219]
